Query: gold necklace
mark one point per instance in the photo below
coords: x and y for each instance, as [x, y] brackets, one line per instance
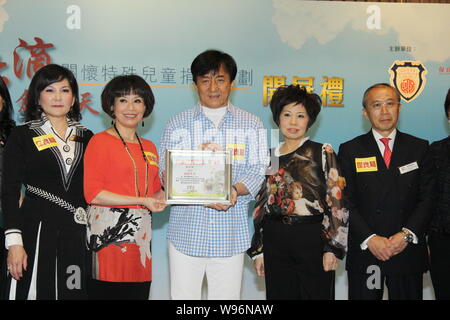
[136, 180]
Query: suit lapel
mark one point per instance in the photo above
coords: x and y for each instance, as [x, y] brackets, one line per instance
[399, 152]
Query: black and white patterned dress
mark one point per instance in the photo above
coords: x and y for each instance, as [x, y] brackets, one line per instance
[49, 222]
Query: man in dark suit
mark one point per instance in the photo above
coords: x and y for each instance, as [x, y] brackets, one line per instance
[389, 190]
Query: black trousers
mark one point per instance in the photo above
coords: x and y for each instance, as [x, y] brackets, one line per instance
[407, 287]
[3, 267]
[439, 245]
[104, 290]
[293, 261]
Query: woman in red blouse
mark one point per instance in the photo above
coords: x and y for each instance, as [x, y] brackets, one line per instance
[122, 186]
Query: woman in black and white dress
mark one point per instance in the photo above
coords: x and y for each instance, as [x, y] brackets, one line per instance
[46, 236]
[6, 125]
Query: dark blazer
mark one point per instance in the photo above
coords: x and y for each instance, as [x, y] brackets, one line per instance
[384, 201]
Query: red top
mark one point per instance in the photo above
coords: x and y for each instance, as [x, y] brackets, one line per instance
[107, 166]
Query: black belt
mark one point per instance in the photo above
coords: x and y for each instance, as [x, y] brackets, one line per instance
[294, 219]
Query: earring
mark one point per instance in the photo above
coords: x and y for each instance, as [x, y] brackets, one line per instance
[113, 116]
[142, 123]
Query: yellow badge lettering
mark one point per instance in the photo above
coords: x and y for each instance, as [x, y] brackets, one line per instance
[152, 158]
[44, 142]
[237, 151]
[366, 164]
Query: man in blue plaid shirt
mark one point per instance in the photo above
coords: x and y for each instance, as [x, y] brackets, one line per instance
[212, 239]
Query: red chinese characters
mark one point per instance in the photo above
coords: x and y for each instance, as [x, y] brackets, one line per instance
[5, 79]
[38, 57]
[84, 104]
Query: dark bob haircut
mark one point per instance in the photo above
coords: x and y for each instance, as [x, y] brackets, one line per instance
[285, 95]
[447, 104]
[379, 85]
[44, 77]
[211, 61]
[124, 85]
[6, 115]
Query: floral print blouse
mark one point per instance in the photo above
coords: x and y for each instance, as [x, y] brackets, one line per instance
[304, 182]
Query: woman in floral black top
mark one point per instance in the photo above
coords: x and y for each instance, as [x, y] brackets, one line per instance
[300, 221]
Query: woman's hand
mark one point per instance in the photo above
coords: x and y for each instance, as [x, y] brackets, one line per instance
[17, 261]
[154, 205]
[330, 262]
[159, 195]
[259, 266]
[107, 198]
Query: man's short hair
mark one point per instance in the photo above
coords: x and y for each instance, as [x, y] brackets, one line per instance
[211, 61]
[379, 85]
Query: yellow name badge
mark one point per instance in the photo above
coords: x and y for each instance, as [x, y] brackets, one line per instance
[366, 164]
[152, 158]
[44, 142]
[237, 151]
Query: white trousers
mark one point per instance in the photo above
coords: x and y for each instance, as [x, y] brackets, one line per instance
[224, 276]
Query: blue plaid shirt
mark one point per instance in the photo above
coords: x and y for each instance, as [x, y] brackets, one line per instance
[203, 232]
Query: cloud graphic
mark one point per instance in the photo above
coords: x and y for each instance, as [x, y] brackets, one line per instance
[3, 15]
[422, 26]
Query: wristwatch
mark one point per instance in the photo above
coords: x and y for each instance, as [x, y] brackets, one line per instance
[407, 236]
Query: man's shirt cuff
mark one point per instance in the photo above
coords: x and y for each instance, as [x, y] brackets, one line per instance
[364, 244]
[415, 239]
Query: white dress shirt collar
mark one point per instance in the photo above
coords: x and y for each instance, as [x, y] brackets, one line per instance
[380, 144]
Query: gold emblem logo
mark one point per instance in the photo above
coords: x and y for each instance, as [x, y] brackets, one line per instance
[409, 78]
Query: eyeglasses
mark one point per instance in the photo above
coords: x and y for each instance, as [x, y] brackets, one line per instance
[387, 104]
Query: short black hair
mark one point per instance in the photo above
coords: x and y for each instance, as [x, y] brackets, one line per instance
[447, 104]
[211, 61]
[124, 85]
[44, 77]
[6, 121]
[285, 95]
[379, 85]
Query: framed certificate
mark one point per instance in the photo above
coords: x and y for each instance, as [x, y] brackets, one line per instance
[198, 177]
